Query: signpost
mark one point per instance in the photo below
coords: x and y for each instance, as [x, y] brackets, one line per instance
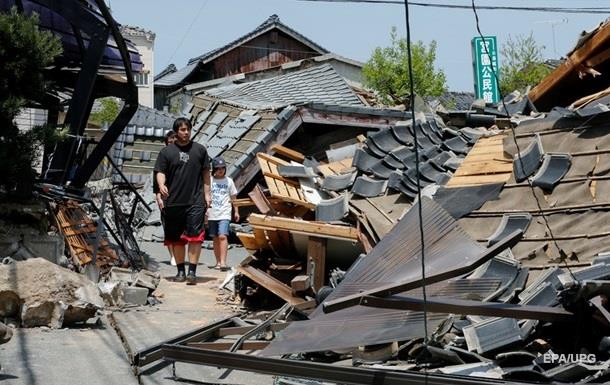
[484, 55]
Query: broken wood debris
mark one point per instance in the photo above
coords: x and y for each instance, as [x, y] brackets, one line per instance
[79, 231]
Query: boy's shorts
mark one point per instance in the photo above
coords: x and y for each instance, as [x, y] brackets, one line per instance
[183, 224]
[219, 227]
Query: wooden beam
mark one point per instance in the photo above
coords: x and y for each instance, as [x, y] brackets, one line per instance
[282, 179]
[288, 153]
[575, 60]
[270, 283]
[316, 261]
[248, 241]
[319, 229]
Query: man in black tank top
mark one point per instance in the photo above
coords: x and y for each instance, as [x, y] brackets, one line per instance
[183, 176]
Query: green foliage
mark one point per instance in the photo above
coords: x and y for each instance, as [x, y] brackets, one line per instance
[25, 52]
[108, 112]
[387, 70]
[522, 64]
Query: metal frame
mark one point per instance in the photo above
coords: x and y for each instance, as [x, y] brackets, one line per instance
[99, 30]
[316, 371]
[152, 354]
[468, 307]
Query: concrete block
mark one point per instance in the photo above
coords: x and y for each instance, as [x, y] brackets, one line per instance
[121, 274]
[111, 292]
[135, 295]
[147, 279]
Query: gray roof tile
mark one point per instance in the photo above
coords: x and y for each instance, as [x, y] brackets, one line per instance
[310, 85]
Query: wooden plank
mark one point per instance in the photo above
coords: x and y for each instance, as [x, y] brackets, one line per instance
[478, 179]
[273, 285]
[305, 227]
[272, 159]
[246, 345]
[335, 168]
[316, 261]
[261, 238]
[484, 168]
[288, 153]
[279, 178]
[485, 163]
[280, 242]
[248, 241]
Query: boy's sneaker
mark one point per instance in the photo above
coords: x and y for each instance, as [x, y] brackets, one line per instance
[180, 277]
[191, 278]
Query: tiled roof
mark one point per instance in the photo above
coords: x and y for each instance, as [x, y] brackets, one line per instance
[272, 22]
[150, 117]
[451, 100]
[167, 70]
[177, 77]
[316, 84]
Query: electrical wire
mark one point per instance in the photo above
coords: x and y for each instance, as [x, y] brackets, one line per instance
[582, 10]
[188, 30]
[514, 136]
[417, 172]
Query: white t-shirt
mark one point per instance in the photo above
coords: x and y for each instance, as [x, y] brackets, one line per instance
[221, 190]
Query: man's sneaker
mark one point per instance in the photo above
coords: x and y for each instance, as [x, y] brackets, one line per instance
[191, 278]
[180, 277]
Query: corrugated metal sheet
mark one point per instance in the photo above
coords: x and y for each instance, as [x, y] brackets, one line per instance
[396, 258]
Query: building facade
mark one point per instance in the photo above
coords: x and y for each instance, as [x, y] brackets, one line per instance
[145, 43]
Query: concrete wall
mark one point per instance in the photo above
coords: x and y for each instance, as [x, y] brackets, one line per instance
[145, 43]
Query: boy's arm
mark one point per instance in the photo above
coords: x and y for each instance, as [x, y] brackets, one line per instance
[235, 208]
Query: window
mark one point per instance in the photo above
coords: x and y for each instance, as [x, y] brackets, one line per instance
[141, 78]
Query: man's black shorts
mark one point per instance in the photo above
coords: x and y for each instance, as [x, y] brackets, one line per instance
[184, 224]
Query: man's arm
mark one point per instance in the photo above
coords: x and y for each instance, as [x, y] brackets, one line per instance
[206, 186]
[162, 187]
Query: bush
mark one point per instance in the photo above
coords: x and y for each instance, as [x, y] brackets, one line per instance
[25, 53]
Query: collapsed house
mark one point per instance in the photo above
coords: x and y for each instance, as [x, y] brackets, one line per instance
[514, 224]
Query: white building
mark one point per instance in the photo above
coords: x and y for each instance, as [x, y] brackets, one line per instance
[145, 43]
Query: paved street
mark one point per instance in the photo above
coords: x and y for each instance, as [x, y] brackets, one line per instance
[95, 353]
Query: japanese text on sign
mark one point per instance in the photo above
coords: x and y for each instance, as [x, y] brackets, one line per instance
[485, 62]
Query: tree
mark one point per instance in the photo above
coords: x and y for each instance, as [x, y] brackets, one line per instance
[108, 112]
[522, 64]
[25, 52]
[387, 70]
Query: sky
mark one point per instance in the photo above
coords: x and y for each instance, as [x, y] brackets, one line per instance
[188, 28]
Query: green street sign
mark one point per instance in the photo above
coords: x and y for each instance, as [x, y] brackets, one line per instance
[484, 55]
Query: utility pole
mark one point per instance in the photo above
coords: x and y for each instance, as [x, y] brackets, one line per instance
[553, 23]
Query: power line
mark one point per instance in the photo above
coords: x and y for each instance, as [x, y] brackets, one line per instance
[514, 135]
[417, 172]
[582, 10]
[188, 30]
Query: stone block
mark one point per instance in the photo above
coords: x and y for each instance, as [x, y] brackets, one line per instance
[135, 295]
[147, 279]
[122, 274]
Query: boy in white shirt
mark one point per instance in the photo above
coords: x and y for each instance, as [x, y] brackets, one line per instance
[223, 193]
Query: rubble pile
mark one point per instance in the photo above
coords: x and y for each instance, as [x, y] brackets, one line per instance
[37, 292]
[126, 287]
